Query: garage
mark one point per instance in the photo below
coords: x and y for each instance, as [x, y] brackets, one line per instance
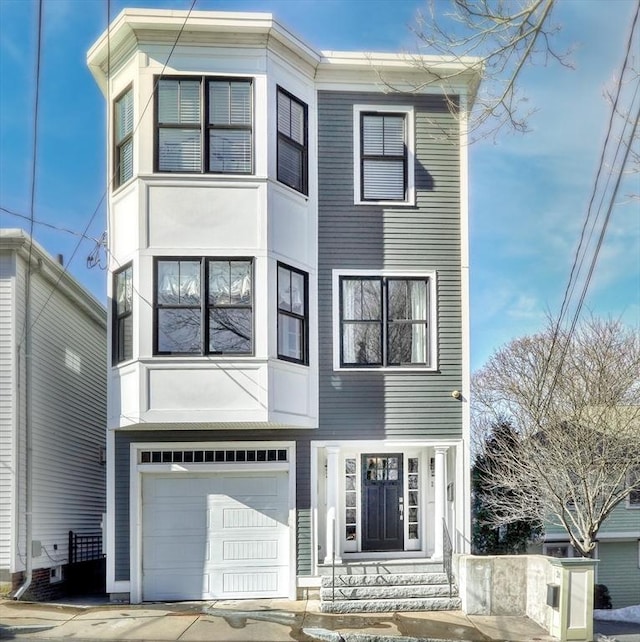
[215, 535]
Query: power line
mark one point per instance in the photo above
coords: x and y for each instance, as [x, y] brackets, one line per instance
[112, 174]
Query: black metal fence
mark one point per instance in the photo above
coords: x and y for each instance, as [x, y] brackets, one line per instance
[85, 548]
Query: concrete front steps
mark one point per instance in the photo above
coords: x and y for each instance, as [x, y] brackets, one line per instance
[386, 587]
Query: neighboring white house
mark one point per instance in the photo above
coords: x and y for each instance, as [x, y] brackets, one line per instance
[289, 330]
[52, 415]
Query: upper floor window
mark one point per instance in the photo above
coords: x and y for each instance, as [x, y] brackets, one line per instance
[293, 315]
[122, 331]
[204, 306]
[292, 142]
[204, 125]
[123, 126]
[385, 321]
[383, 154]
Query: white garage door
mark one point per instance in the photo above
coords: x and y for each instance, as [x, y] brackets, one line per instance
[208, 536]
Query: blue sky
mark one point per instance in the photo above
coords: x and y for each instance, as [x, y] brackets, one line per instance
[528, 193]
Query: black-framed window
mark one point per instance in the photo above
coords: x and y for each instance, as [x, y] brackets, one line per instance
[383, 156]
[123, 131]
[204, 125]
[122, 331]
[204, 305]
[384, 321]
[292, 142]
[293, 314]
[634, 495]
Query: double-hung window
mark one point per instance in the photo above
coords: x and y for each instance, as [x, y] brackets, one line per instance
[204, 306]
[383, 154]
[123, 126]
[122, 329]
[204, 125]
[292, 142]
[385, 321]
[633, 479]
[293, 316]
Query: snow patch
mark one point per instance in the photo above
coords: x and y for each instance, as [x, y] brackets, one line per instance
[628, 614]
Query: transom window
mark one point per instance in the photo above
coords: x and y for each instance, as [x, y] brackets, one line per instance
[204, 125]
[293, 316]
[123, 129]
[204, 306]
[122, 315]
[292, 141]
[200, 456]
[385, 321]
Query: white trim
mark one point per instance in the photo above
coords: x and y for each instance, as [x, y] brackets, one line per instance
[136, 470]
[408, 111]
[432, 278]
[110, 518]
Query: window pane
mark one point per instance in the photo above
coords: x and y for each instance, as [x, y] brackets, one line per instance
[125, 162]
[125, 338]
[124, 291]
[297, 123]
[284, 114]
[230, 330]
[361, 299]
[179, 102]
[178, 283]
[372, 135]
[407, 343]
[230, 151]
[297, 293]
[290, 163]
[124, 116]
[179, 330]
[407, 300]
[284, 289]
[393, 135]
[383, 179]
[229, 102]
[179, 150]
[361, 343]
[290, 337]
[230, 282]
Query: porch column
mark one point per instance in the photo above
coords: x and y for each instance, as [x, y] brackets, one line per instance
[439, 500]
[333, 477]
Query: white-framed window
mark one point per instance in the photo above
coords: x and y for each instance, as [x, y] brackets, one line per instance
[203, 306]
[204, 125]
[123, 138]
[292, 142]
[384, 320]
[383, 154]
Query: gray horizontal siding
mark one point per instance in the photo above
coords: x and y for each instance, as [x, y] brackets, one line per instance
[123, 440]
[377, 405]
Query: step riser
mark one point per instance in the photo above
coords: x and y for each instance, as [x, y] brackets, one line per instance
[387, 606]
[385, 592]
[381, 568]
[386, 580]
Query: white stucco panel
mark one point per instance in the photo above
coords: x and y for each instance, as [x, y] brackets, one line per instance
[214, 217]
[229, 388]
[289, 226]
[124, 237]
[290, 391]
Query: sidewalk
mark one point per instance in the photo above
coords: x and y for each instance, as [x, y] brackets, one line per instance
[250, 620]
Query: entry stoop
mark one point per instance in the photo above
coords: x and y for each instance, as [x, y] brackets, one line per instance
[382, 588]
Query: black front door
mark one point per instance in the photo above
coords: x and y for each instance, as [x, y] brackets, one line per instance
[382, 508]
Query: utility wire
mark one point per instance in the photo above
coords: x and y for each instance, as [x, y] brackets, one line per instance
[113, 173]
[581, 251]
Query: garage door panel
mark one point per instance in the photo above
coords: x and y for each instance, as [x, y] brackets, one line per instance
[205, 544]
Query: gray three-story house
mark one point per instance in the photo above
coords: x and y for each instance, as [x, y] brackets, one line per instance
[289, 377]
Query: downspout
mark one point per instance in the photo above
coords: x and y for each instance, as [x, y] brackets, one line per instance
[28, 438]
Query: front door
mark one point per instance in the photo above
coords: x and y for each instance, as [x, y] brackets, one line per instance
[382, 503]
